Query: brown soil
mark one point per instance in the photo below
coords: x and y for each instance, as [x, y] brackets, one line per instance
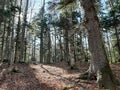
[47, 77]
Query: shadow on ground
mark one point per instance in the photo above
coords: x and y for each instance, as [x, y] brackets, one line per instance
[24, 79]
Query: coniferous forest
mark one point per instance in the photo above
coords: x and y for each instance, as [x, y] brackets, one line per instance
[59, 44]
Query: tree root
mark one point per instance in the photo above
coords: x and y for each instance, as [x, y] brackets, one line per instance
[104, 81]
[87, 76]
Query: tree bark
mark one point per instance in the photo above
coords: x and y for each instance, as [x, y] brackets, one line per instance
[3, 40]
[99, 63]
[67, 59]
[55, 59]
[49, 48]
[61, 48]
[41, 34]
[23, 33]
[17, 46]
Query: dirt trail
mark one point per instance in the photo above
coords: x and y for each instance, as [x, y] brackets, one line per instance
[46, 77]
[58, 77]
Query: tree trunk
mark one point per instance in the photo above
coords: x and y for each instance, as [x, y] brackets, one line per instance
[66, 47]
[82, 49]
[12, 45]
[118, 39]
[8, 42]
[17, 39]
[109, 48]
[49, 48]
[23, 33]
[99, 63]
[55, 60]
[3, 40]
[41, 34]
[72, 52]
[41, 45]
[61, 48]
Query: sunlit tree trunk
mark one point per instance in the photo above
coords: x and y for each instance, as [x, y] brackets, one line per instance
[4, 20]
[82, 49]
[41, 34]
[41, 44]
[17, 39]
[109, 48]
[12, 44]
[3, 41]
[49, 48]
[75, 48]
[55, 45]
[10, 36]
[99, 63]
[72, 51]
[34, 51]
[7, 53]
[22, 53]
[33, 47]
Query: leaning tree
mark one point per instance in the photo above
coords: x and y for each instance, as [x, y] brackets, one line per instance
[99, 64]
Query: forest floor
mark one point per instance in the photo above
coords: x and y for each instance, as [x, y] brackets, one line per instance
[47, 77]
